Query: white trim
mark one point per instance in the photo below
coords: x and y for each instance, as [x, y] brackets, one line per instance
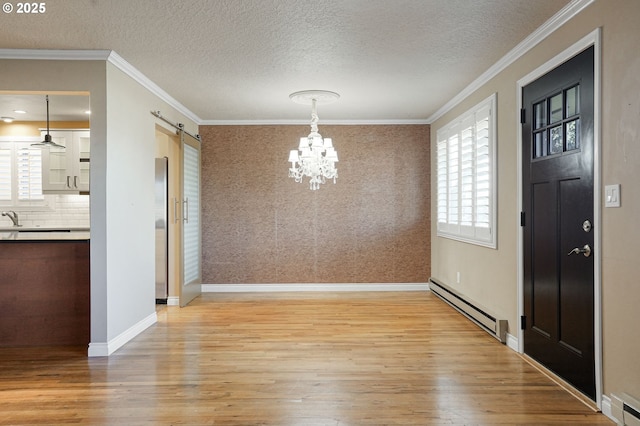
[582, 44]
[591, 39]
[101, 55]
[173, 301]
[55, 54]
[597, 215]
[606, 408]
[384, 122]
[512, 342]
[270, 288]
[106, 349]
[124, 66]
[555, 22]
[98, 349]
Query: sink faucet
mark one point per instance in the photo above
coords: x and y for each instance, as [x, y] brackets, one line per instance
[13, 216]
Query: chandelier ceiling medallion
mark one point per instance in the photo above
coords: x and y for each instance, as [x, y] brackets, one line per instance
[315, 156]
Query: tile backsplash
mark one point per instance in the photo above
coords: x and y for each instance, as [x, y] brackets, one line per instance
[64, 211]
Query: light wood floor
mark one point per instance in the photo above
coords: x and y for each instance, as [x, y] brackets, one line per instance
[291, 359]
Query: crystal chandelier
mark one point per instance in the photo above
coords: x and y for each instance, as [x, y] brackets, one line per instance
[315, 156]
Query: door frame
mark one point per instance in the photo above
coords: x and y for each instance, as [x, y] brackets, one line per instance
[591, 39]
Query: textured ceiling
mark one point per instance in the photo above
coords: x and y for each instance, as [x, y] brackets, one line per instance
[229, 60]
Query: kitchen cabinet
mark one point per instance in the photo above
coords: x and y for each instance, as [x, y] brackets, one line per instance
[66, 170]
[45, 289]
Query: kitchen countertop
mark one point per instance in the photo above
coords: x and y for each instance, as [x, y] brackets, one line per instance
[44, 234]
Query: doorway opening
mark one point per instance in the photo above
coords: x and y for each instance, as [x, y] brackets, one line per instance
[181, 232]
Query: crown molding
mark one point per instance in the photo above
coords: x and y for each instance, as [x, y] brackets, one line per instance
[556, 21]
[101, 55]
[124, 66]
[55, 54]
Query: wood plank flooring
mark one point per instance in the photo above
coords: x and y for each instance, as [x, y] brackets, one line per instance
[291, 359]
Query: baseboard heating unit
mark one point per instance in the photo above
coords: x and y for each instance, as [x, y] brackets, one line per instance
[625, 409]
[496, 327]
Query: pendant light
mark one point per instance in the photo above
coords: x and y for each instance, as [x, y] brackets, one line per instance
[48, 142]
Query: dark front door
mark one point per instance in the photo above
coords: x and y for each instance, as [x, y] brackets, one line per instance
[557, 135]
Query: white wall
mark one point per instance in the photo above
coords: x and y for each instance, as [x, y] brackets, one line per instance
[130, 204]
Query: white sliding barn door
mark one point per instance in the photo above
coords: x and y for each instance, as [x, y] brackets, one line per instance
[191, 284]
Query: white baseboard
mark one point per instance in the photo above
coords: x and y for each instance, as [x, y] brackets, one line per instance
[98, 349]
[269, 288]
[107, 348]
[173, 301]
[606, 408]
[512, 342]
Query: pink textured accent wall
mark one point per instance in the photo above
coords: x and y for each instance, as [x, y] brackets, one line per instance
[372, 226]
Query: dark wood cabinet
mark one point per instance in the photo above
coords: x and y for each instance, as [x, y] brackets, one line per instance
[44, 289]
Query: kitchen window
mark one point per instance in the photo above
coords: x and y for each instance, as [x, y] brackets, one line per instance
[21, 175]
[466, 176]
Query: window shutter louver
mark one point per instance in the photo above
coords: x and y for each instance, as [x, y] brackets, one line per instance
[466, 175]
[483, 172]
[442, 180]
[453, 179]
[29, 162]
[5, 174]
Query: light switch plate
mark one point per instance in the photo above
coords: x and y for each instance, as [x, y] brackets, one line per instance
[612, 195]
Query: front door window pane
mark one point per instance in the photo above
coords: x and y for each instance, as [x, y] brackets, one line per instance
[556, 140]
[556, 109]
[573, 101]
[540, 144]
[573, 141]
[540, 118]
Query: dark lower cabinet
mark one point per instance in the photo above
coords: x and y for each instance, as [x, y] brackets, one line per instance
[44, 291]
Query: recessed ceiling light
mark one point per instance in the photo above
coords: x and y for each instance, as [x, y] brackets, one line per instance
[19, 111]
[7, 119]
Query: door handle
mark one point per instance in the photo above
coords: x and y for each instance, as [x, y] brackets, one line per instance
[585, 250]
[176, 202]
[186, 210]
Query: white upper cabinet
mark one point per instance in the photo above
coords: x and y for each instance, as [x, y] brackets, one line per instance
[66, 171]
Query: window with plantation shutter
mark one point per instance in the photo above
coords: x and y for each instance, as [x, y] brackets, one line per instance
[29, 165]
[21, 175]
[5, 174]
[466, 176]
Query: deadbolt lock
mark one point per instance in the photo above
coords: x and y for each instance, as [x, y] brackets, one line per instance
[586, 226]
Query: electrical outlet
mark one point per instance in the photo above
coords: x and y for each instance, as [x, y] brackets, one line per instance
[458, 277]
